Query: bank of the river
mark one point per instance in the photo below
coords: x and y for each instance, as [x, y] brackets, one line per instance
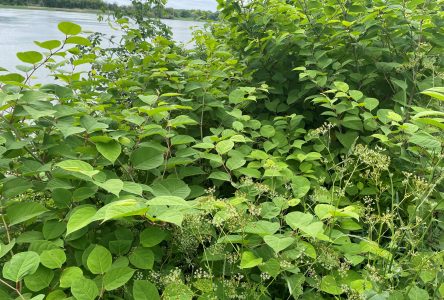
[77, 10]
[82, 10]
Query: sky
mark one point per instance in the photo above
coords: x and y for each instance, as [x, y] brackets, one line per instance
[184, 4]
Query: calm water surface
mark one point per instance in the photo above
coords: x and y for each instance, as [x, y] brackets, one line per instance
[19, 28]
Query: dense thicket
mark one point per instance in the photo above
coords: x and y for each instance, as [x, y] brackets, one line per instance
[295, 152]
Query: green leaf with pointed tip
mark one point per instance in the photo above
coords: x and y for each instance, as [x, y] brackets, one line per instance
[142, 258]
[111, 150]
[300, 186]
[278, 243]
[30, 57]
[224, 146]
[80, 218]
[168, 200]
[117, 277]
[84, 289]
[78, 166]
[4, 249]
[330, 286]
[53, 258]
[170, 187]
[146, 158]
[49, 45]
[20, 265]
[145, 290]
[152, 236]
[99, 260]
[78, 40]
[120, 209]
[23, 211]
[69, 28]
[249, 260]
[69, 276]
[39, 280]
[177, 291]
[113, 186]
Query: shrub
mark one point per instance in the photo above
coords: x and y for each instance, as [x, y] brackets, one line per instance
[219, 172]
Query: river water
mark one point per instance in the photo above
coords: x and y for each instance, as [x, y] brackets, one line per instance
[19, 28]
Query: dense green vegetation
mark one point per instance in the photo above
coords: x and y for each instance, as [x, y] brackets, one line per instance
[157, 10]
[295, 152]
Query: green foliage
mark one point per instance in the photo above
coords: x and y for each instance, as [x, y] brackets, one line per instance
[295, 152]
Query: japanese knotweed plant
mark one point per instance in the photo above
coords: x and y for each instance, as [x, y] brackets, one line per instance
[177, 174]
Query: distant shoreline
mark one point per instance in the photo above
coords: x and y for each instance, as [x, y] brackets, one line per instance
[79, 10]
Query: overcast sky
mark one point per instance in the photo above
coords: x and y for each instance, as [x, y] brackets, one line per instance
[188, 4]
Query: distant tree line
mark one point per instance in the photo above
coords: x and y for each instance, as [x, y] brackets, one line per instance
[161, 12]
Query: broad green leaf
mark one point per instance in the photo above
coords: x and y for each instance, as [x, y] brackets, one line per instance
[53, 258]
[298, 219]
[278, 243]
[69, 28]
[373, 248]
[180, 121]
[152, 236]
[178, 291]
[249, 260]
[30, 57]
[182, 139]
[224, 146]
[148, 99]
[436, 92]
[325, 211]
[113, 186]
[342, 86]
[56, 295]
[120, 209]
[117, 277]
[110, 150]
[69, 276]
[171, 215]
[49, 45]
[77, 166]
[234, 163]
[223, 176]
[262, 228]
[39, 280]
[20, 265]
[371, 103]
[91, 124]
[15, 187]
[133, 188]
[4, 249]
[80, 218]
[147, 158]
[99, 260]
[300, 186]
[84, 289]
[416, 293]
[267, 131]
[23, 211]
[78, 40]
[170, 187]
[168, 200]
[145, 290]
[52, 229]
[356, 95]
[425, 140]
[330, 286]
[294, 284]
[142, 258]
